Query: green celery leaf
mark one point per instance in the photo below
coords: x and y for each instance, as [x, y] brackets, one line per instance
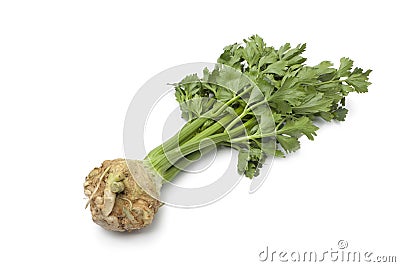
[296, 127]
[340, 114]
[288, 143]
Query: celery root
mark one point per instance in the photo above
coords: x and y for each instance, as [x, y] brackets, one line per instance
[259, 100]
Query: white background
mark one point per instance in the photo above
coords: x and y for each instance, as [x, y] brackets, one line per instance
[68, 70]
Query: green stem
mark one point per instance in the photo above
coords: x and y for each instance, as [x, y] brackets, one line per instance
[187, 142]
[182, 164]
[248, 90]
[166, 160]
[173, 156]
[187, 130]
[259, 104]
[191, 127]
[244, 113]
[174, 169]
[236, 120]
[157, 156]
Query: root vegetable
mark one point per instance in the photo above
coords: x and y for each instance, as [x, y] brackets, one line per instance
[295, 93]
[119, 203]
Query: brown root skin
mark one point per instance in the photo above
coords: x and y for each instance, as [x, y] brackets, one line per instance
[119, 203]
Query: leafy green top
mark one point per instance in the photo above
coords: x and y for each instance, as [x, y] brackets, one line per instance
[295, 93]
